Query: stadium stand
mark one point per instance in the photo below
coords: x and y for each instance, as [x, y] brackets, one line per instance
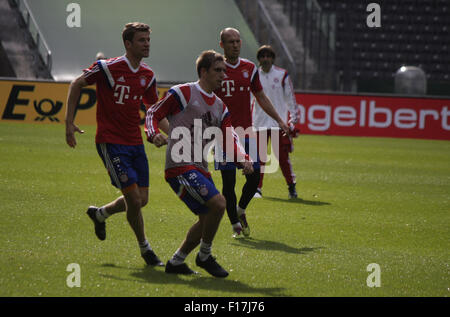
[181, 30]
[303, 36]
[325, 44]
[19, 51]
[412, 32]
[339, 51]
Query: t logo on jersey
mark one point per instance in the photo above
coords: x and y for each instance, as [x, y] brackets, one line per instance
[123, 94]
[228, 86]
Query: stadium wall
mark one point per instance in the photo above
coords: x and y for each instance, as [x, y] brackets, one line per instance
[320, 113]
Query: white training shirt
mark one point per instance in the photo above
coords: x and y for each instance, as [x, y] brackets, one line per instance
[278, 88]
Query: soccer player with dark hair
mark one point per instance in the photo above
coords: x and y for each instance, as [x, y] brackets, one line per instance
[240, 80]
[123, 84]
[195, 109]
[278, 87]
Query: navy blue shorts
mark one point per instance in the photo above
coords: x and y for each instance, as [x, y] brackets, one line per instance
[250, 149]
[194, 189]
[126, 164]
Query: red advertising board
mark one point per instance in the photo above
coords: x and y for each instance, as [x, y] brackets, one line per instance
[380, 116]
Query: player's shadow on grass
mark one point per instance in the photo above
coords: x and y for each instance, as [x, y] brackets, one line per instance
[196, 281]
[272, 246]
[298, 201]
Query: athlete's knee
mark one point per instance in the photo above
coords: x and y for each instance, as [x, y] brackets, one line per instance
[218, 204]
[144, 200]
[134, 202]
[134, 205]
[228, 191]
[221, 203]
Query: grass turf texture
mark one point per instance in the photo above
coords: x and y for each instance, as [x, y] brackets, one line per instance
[363, 200]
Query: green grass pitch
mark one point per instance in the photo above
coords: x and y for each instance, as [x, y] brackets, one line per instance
[363, 201]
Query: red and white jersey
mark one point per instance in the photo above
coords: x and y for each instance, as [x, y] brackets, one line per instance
[183, 106]
[121, 89]
[278, 88]
[240, 79]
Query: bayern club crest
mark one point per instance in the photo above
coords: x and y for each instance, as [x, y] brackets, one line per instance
[203, 191]
[123, 177]
[143, 81]
[245, 74]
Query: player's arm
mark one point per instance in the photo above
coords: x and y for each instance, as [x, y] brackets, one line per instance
[163, 125]
[289, 98]
[72, 100]
[154, 119]
[154, 115]
[150, 98]
[265, 103]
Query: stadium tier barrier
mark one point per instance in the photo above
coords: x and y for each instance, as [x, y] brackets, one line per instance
[320, 113]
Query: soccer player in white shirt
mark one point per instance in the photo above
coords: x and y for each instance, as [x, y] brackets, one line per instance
[278, 87]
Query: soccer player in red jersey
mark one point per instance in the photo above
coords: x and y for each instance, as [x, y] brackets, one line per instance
[241, 78]
[123, 84]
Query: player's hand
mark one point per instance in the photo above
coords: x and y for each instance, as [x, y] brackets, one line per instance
[159, 140]
[70, 134]
[247, 167]
[284, 128]
[293, 130]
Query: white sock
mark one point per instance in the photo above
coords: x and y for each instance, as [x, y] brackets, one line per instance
[178, 258]
[144, 246]
[237, 226]
[101, 214]
[240, 211]
[205, 250]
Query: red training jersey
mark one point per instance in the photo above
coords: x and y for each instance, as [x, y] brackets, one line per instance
[240, 79]
[121, 90]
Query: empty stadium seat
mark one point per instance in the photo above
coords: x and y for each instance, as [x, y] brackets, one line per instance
[412, 31]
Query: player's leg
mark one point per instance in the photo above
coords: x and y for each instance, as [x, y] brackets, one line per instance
[250, 186]
[211, 220]
[176, 264]
[132, 197]
[140, 165]
[258, 193]
[128, 170]
[263, 142]
[199, 193]
[286, 147]
[134, 200]
[116, 206]
[249, 189]
[228, 191]
[210, 223]
[119, 205]
[185, 187]
[192, 239]
[205, 229]
[111, 158]
[248, 192]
